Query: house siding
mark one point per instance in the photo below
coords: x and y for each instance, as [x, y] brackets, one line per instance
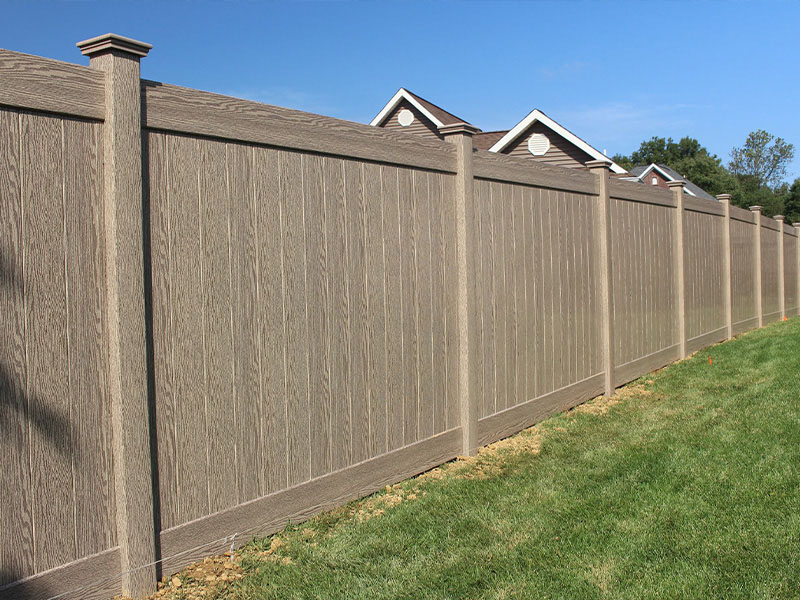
[561, 152]
[421, 125]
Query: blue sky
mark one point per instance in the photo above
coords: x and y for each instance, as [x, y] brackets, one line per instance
[615, 73]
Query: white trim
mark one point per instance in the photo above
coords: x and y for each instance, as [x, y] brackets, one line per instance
[667, 176]
[537, 115]
[403, 94]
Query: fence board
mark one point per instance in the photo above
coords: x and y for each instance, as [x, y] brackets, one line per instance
[359, 409]
[393, 282]
[218, 354]
[47, 349]
[269, 215]
[38, 83]
[183, 110]
[743, 270]
[376, 317]
[90, 407]
[16, 519]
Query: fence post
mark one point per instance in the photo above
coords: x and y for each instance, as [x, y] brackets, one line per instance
[781, 266]
[757, 220]
[678, 258]
[460, 134]
[727, 278]
[601, 169]
[119, 58]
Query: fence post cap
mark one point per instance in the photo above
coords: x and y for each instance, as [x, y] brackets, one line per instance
[724, 197]
[796, 225]
[111, 41]
[598, 164]
[756, 208]
[455, 128]
[676, 184]
[779, 218]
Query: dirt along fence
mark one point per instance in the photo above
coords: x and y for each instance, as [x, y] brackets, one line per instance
[219, 316]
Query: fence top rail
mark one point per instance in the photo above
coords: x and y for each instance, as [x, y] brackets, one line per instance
[741, 214]
[184, 110]
[637, 192]
[702, 205]
[769, 223]
[36, 83]
[510, 169]
[789, 229]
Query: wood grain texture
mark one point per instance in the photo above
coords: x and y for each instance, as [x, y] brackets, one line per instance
[187, 301]
[636, 192]
[86, 319]
[161, 242]
[451, 300]
[408, 251]
[743, 264]
[438, 305]
[511, 169]
[486, 283]
[184, 110]
[393, 284]
[16, 519]
[501, 296]
[339, 298]
[245, 296]
[356, 237]
[319, 346]
[48, 384]
[509, 252]
[376, 309]
[703, 205]
[218, 348]
[422, 232]
[770, 284]
[272, 297]
[92, 578]
[294, 272]
[37, 83]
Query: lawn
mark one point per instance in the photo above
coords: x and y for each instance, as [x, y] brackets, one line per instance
[683, 486]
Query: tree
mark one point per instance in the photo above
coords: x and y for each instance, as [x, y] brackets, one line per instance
[688, 157]
[763, 158]
[791, 202]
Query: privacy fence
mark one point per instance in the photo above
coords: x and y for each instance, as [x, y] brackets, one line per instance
[219, 316]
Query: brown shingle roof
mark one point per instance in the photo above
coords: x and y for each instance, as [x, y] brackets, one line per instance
[441, 114]
[485, 140]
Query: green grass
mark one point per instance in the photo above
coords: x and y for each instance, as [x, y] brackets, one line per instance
[685, 488]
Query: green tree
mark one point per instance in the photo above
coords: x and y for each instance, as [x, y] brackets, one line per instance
[764, 159]
[686, 156]
[792, 202]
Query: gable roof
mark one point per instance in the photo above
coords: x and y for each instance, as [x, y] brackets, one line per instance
[487, 139]
[436, 114]
[538, 116]
[692, 189]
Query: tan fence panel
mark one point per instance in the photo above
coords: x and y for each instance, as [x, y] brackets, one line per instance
[302, 314]
[56, 442]
[536, 273]
[770, 285]
[743, 265]
[644, 318]
[703, 264]
[790, 273]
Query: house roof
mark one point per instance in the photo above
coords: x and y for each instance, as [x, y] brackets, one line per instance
[538, 116]
[692, 189]
[436, 114]
[487, 139]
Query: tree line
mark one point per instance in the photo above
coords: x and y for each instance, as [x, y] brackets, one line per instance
[755, 174]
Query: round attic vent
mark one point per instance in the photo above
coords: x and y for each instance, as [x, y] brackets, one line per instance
[405, 117]
[538, 144]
